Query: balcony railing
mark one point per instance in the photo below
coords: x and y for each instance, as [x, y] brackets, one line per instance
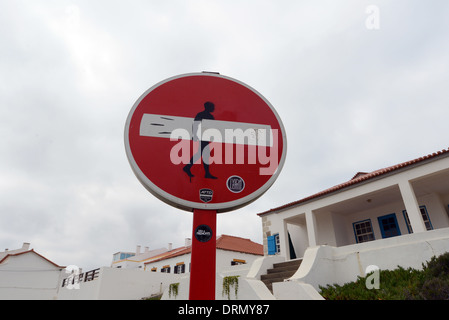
[82, 277]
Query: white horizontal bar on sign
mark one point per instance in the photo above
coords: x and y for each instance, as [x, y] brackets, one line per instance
[238, 132]
[162, 126]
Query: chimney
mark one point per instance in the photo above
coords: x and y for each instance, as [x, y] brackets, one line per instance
[137, 250]
[188, 242]
[147, 249]
[170, 246]
[26, 246]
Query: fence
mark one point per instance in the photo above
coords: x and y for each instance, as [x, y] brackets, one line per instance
[82, 277]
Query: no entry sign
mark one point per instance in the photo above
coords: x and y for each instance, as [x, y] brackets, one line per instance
[205, 141]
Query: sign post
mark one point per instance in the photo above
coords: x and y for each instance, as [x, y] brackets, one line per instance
[203, 258]
[207, 144]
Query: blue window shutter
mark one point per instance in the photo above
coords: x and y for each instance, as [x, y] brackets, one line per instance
[271, 245]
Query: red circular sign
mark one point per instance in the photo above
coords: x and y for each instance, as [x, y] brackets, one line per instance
[205, 141]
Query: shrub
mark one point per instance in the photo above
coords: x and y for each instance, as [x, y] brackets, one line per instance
[430, 283]
[435, 289]
[438, 267]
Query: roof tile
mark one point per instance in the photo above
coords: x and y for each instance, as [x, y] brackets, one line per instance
[358, 178]
[224, 242]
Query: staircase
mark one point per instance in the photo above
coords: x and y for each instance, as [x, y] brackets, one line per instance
[280, 272]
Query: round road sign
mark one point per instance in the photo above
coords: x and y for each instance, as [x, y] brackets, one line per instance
[205, 141]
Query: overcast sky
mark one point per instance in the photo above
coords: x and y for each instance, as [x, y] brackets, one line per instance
[359, 85]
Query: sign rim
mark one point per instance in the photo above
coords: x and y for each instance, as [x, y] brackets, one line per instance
[190, 205]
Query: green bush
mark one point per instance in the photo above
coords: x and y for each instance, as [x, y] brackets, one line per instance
[430, 283]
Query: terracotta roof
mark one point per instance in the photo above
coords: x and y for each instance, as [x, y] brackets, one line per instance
[170, 254]
[224, 242]
[358, 178]
[232, 243]
[30, 251]
[358, 175]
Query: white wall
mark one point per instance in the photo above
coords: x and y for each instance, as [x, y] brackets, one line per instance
[120, 284]
[132, 284]
[86, 291]
[249, 286]
[336, 229]
[325, 232]
[324, 265]
[171, 262]
[373, 214]
[298, 235]
[28, 277]
[437, 209]
[223, 260]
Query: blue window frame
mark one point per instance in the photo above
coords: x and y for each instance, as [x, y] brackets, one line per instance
[407, 221]
[363, 231]
[389, 226]
[425, 218]
[273, 244]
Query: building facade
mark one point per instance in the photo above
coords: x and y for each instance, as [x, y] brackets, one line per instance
[27, 275]
[153, 276]
[410, 197]
[130, 260]
[230, 251]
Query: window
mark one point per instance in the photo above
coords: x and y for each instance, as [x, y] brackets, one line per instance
[389, 226]
[274, 244]
[363, 231]
[122, 255]
[425, 218]
[165, 269]
[407, 221]
[278, 243]
[126, 255]
[153, 269]
[236, 262]
[180, 268]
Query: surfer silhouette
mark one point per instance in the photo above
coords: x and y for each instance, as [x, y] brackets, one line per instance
[204, 149]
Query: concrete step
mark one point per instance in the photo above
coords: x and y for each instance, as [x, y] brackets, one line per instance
[278, 275]
[296, 262]
[280, 272]
[282, 269]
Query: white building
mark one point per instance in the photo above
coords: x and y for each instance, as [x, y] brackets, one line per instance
[230, 251]
[136, 259]
[27, 275]
[140, 276]
[394, 216]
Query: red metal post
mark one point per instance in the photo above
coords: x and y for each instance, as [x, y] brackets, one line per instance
[203, 258]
